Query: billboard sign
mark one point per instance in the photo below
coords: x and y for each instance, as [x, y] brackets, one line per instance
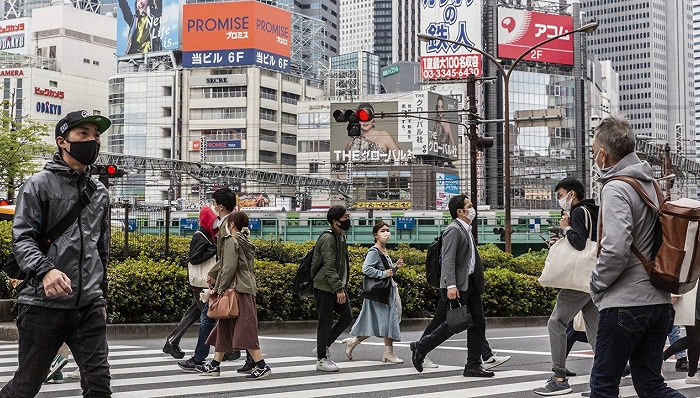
[446, 186]
[144, 26]
[235, 34]
[217, 145]
[519, 30]
[15, 36]
[456, 20]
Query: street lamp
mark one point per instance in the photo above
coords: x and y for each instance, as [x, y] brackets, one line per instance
[587, 28]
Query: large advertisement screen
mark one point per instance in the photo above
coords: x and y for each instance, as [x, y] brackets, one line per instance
[519, 30]
[446, 186]
[236, 33]
[144, 26]
[456, 20]
[399, 137]
[15, 34]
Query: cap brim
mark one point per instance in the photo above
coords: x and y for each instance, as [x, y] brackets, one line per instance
[101, 122]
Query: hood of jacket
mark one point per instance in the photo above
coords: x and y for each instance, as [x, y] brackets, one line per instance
[631, 166]
[589, 203]
[243, 238]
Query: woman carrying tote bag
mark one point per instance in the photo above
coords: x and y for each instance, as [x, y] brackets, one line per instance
[234, 270]
[579, 223]
[381, 312]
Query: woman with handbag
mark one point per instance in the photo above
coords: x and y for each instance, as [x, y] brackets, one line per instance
[381, 308]
[234, 275]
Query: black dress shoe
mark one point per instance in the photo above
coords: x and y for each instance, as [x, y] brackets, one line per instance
[477, 372]
[416, 358]
[247, 367]
[232, 356]
[173, 350]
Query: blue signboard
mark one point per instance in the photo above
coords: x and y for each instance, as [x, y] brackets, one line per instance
[244, 57]
[451, 184]
[223, 145]
[405, 222]
[254, 224]
[132, 225]
[189, 224]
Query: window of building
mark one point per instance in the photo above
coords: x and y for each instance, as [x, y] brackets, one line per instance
[225, 92]
[289, 160]
[289, 139]
[268, 114]
[268, 157]
[289, 118]
[268, 135]
[218, 113]
[290, 98]
[235, 155]
[313, 167]
[268, 93]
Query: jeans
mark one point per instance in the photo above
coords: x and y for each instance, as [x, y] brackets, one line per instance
[206, 325]
[440, 316]
[327, 332]
[476, 335]
[637, 334]
[674, 336]
[191, 315]
[42, 331]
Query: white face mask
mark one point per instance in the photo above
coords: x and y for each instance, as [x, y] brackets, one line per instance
[471, 214]
[384, 236]
[565, 202]
[213, 209]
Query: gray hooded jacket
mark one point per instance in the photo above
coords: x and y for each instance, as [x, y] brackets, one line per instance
[81, 252]
[619, 278]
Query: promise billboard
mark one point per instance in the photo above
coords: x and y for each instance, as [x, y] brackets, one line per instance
[518, 30]
[236, 33]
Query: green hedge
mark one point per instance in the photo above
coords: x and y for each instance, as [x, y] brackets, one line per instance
[152, 287]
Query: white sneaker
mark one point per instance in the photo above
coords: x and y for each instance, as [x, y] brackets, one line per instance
[494, 361]
[72, 375]
[326, 365]
[427, 363]
[693, 379]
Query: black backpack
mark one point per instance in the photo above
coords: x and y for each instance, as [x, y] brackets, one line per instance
[433, 262]
[303, 284]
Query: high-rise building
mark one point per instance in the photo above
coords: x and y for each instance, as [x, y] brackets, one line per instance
[650, 45]
[324, 10]
[353, 74]
[696, 70]
[387, 28]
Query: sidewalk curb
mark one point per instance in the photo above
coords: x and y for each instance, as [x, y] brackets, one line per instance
[8, 330]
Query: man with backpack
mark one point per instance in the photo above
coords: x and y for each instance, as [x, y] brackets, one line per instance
[635, 316]
[462, 279]
[330, 267]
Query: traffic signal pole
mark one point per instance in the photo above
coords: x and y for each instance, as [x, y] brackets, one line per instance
[472, 135]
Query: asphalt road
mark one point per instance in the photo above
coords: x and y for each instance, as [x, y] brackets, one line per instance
[140, 369]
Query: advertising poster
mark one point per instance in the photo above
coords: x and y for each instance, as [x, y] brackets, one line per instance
[519, 30]
[15, 35]
[378, 141]
[446, 186]
[144, 26]
[235, 34]
[443, 131]
[456, 20]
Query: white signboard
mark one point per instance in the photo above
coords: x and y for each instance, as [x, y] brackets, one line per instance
[15, 36]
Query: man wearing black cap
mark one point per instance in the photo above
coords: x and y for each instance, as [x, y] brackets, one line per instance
[65, 296]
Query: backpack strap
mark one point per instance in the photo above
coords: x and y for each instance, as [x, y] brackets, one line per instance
[643, 194]
[84, 199]
[336, 257]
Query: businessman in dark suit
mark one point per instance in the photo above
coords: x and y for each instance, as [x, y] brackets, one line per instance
[462, 278]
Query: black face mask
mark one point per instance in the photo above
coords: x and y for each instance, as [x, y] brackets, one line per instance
[84, 152]
[345, 225]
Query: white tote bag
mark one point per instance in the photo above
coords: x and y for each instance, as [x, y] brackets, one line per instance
[685, 308]
[568, 268]
[197, 273]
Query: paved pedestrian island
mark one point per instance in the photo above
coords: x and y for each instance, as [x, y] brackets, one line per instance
[138, 371]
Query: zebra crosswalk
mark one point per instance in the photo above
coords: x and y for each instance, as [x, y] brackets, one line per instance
[141, 372]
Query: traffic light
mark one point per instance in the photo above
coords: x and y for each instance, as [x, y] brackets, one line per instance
[500, 231]
[108, 170]
[353, 118]
[483, 143]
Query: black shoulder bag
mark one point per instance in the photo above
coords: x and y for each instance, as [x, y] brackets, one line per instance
[377, 289]
[10, 266]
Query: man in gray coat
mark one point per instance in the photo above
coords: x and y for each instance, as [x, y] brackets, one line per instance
[66, 293]
[635, 317]
[462, 278]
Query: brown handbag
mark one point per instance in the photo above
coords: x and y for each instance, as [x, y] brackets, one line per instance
[223, 306]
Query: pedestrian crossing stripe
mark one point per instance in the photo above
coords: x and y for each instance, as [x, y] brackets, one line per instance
[297, 373]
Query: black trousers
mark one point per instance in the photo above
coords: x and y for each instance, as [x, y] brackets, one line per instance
[327, 332]
[42, 331]
[440, 316]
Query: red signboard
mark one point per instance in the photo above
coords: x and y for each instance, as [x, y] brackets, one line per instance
[439, 67]
[518, 30]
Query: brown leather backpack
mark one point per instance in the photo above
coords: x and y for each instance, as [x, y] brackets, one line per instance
[675, 263]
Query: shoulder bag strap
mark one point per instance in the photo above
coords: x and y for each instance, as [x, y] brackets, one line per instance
[83, 200]
[589, 222]
[383, 258]
[204, 235]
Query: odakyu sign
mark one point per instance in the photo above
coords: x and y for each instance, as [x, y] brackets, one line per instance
[48, 108]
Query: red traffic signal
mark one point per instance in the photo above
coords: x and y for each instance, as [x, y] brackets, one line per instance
[108, 170]
[364, 114]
